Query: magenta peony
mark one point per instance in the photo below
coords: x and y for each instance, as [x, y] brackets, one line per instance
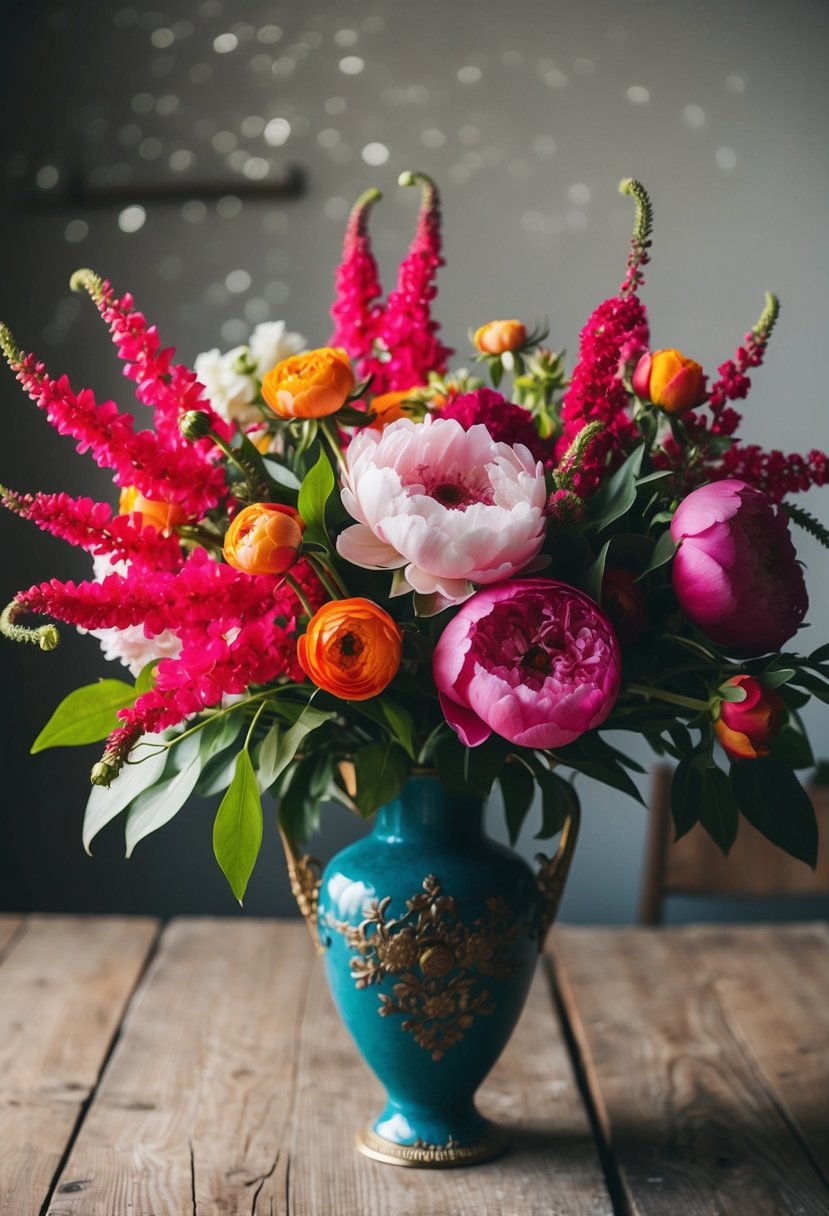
[534, 660]
[735, 572]
[505, 421]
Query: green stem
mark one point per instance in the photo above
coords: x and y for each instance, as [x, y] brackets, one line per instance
[220, 713]
[327, 575]
[673, 698]
[328, 433]
[44, 636]
[300, 594]
[259, 489]
[252, 726]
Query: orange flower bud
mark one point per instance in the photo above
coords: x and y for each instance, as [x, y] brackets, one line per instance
[311, 385]
[746, 729]
[670, 381]
[351, 648]
[163, 516]
[497, 337]
[388, 408]
[264, 538]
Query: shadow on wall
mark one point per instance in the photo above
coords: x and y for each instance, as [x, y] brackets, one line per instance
[527, 123]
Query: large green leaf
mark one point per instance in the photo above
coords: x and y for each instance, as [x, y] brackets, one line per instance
[313, 495]
[280, 746]
[558, 801]
[157, 805]
[773, 800]
[382, 770]
[518, 789]
[87, 715]
[618, 492]
[301, 789]
[237, 830]
[687, 789]
[107, 801]
[718, 811]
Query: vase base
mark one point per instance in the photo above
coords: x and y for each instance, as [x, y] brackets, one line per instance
[420, 1155]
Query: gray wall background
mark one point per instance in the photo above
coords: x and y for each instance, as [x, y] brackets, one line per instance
[527, 115]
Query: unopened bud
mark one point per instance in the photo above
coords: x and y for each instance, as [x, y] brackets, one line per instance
[195, 424]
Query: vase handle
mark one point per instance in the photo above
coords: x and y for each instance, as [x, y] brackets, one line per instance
[552, 874]
[305, 874]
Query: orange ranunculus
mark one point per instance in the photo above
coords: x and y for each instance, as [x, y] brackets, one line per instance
[497, 337]
[351, 648]
[671, 381]
[311, 385]
[388, 408]
[163, 516]
[264, 538]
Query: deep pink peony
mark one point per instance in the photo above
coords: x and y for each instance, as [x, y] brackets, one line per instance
[735, 573]
[534, 660]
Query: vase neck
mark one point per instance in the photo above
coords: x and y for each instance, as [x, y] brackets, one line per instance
[424, 808]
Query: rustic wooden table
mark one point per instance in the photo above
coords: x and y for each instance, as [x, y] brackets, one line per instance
[202, 1071]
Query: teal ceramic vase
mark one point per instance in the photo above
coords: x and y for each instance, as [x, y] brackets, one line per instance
[430, 933]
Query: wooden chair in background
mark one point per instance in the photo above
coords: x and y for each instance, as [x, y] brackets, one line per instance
[694, 865]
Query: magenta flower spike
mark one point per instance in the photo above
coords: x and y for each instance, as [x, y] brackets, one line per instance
[159, 468]
[92, 526]
[408, 345]
[356, 310]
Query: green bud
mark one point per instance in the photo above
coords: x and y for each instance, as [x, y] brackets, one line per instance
[195, 424]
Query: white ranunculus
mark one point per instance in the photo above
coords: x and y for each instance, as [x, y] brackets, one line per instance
[270, 343]
[229, 390]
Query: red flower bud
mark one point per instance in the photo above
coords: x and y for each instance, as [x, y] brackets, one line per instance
[746, 728]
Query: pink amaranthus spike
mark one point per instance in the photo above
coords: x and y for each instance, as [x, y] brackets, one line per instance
[406, 334]
[169, 388]
[356, 311]
[733, 383]
[92, 526]
[612, 340]
[161, 468]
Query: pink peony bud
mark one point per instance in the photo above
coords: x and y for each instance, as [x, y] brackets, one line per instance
[746, 728]
[735, 573]
[534, 660]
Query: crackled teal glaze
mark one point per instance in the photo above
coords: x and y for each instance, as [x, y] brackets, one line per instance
[430, 934]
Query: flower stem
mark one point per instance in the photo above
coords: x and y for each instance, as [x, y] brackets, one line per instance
[327, 576]
[329, 435]
[672, 698]
[300, 594]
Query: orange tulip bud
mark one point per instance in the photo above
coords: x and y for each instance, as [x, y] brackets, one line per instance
[497, 337]
[351, 648]
[310, 385]
[163, 516]
[670, 381]
[746, 729]
[389, 407]
[264, 538]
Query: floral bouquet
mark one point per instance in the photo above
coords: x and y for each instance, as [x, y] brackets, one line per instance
[331, 567]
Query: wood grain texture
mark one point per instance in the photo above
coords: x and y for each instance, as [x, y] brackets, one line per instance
[235, 1089]
[196, 1104]
[775, 984]
[693, 1119]
[64, 983]
[10, 927]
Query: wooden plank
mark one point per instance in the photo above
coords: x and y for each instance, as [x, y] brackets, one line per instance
[64, 983]
[9, 927]
[552, 1166]
[774, 981]
[691, 1121]
[193, 1110]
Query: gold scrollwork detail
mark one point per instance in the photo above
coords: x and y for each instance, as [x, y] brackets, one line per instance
[438, 963]
[305, 876]
[419, 1153]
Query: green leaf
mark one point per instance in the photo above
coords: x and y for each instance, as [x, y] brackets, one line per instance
[732, 692]
[400, 721]
[157, 805]
[718, 811]
[313, 495]
[145, 680]
[792, 745]
[218, 761]
[105, 802]
[558, 800]
[237, 830]
[301, 789]
[496, 371]
[595, 758]
[382, 770]
[773, 800]
[687, 789]
[279, 747]
[87, 715]
[663, 552]
[618, 493]
[518, 789]
[594, 576]
[483, 764]
[776, 676]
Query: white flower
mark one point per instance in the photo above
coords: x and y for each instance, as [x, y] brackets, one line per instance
[270, 344]
[229, 389]
[454, 507]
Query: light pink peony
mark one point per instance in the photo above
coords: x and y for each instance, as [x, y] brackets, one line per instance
[534, 660]
[454, 507]
[735, 573]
